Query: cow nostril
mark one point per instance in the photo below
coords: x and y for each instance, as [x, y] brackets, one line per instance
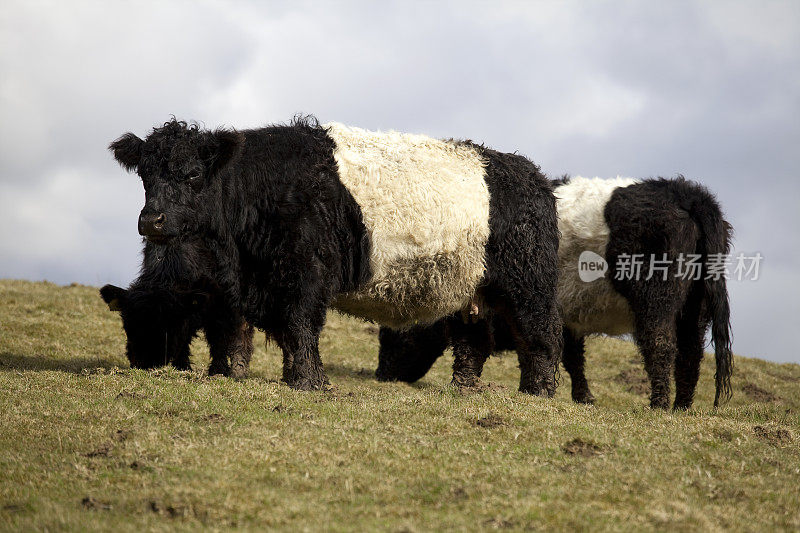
[159, 222]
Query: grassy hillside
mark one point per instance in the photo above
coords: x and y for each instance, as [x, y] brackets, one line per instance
[87, 443]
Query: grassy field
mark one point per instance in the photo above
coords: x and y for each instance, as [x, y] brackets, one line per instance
[88, 444]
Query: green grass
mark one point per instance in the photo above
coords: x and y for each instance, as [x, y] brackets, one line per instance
[88, 444]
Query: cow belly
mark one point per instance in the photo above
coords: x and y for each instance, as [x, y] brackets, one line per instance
[594, 306]
[597, 308]
[588, 306]
[419, 290]
[425, 204]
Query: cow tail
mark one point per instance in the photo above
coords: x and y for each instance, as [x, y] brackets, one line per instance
[715, 239]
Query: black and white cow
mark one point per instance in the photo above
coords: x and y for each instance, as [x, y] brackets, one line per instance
[667, 310]
[272, 226]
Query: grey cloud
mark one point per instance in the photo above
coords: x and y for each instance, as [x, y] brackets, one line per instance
[706, 89]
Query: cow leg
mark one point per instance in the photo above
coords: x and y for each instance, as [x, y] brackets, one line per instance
[242, 351]
[181, 360]
[574, 359]
[658, 344]
[306, 371]
[177, 341]
[299, 341]
[656, 304]
[538, 339]
[219, 337]
[528, 305]
[691, 335]
[472, 344]
[522, 270]
[407, 355]
[288, 366]
[230, 342]
[219, 361]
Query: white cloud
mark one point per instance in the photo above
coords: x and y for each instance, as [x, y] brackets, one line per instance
[81, 221]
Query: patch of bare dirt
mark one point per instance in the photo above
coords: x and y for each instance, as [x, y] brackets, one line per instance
[724, 435]
[95, 505]
[477, 387]
[129, 394]
[583, 448]
[335, 394]
[489, 421]
[170, 511]
[499, 523]
[213, 417]
[717, 491]
[458, 493]
[12, 507]
[756, 393]
[774, 436]
[104, 450]
[636, 381]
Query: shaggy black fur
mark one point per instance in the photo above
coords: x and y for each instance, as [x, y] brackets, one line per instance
[671, 316]
[258, 222]
[520, 283]
[170, 301]
[673, 217]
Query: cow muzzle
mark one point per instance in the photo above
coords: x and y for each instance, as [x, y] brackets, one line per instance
[151, 225]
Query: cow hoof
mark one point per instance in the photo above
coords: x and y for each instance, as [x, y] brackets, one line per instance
[466, 381]
[542, 391]
[472, 385]
[238, 372]
[218, 370]
[586, 398]
[309, 384]
[382, 374]
[182, 365]
[659, 403]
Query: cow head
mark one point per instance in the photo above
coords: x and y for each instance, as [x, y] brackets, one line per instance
[179, 165]
[159, 324]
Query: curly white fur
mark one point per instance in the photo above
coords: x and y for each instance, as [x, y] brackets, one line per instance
[593, 307]
[425, 204]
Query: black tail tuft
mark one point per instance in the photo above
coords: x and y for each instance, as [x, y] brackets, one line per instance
[715, 239]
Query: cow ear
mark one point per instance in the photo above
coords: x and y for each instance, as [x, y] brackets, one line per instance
[127, 151]
[223, 147]
[114, 296]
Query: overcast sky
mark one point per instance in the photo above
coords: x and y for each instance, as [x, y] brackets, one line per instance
[710, 90]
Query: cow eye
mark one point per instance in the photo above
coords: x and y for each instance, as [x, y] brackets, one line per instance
[195, 179]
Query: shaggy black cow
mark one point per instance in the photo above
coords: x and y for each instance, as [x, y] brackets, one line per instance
[168, 304]
[667, 308]
[272, 226]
